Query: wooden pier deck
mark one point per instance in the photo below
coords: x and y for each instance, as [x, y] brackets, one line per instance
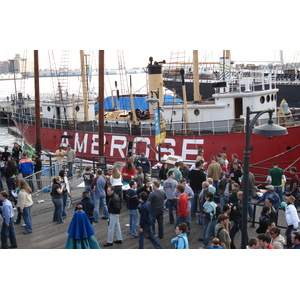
[49, 235]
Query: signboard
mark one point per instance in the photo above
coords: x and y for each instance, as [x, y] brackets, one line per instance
[160, 127]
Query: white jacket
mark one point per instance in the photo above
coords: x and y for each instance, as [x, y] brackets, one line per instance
[291, 216]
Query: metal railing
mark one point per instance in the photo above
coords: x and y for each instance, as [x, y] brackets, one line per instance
[147, 128]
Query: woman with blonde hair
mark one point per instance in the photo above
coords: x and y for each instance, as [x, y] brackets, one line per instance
[25, 203]
[115, 180]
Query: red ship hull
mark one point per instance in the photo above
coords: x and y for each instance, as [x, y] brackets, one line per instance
[264, 151]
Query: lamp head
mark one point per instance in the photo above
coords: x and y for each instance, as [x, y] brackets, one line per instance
[270, 129]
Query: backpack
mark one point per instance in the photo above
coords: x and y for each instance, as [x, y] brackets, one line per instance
[217, 212]
[219, 230]
[183, 242]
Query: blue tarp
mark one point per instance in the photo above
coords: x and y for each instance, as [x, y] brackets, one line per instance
[123, 103]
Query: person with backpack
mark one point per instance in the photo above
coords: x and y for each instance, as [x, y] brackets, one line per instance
[210, 215]
[221, 233]
[181, 240]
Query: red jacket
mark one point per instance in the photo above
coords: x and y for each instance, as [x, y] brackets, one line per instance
[128, 175]
[183, 201]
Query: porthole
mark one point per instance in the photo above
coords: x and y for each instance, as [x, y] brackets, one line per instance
[197, 112]
[268, 98]
[174, 112]
[272, 97]
[77, 108]
[49, 108]
[262, 99]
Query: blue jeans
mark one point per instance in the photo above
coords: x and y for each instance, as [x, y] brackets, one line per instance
[57, 167]
[58, 209]
[10, 184]
[114, 225]
[159, 216]
[97, 200]
[172, 203]
[223, 200]
[8, 232]
[148, 230]
[133, 221]
[70, 169]
[194, 201]
[88, 189]
[201, 219]
[185, 220]
[27, 218]
[208, 232]
[278, 190]
[64, 200]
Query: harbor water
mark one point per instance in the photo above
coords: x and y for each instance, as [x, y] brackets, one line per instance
[7, 139]
[73, 84]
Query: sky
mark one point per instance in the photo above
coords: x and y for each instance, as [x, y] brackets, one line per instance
[134, 58]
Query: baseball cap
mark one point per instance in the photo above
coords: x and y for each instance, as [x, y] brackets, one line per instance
[222, 217]
[270, 187]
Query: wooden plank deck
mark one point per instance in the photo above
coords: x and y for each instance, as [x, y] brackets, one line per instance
[49, 235]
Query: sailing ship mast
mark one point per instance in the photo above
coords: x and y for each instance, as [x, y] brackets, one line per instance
[84, 87]
[197, 95]
[101, 104]
[38, 145]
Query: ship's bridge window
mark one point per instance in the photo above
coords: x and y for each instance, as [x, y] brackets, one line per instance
[262, 99]
[268, 98]
[197, 112]
[49, 108]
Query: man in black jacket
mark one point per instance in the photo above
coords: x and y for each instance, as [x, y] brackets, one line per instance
[114, 209]
[196, 177]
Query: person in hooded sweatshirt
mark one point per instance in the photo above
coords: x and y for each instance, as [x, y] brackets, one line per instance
[181, 240]
[277, 240]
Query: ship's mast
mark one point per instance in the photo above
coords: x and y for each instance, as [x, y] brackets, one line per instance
[197, 96]
[38, 145]
[101, 103]
[84, 87]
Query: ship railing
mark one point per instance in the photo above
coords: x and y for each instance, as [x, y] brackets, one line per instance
[148, 128]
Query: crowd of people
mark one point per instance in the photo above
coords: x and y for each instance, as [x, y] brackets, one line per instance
[17, 168]
[209, 192]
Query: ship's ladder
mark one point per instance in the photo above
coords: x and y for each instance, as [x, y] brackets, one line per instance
[176, 62]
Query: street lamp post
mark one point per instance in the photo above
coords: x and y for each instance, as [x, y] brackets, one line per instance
[269, 129]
